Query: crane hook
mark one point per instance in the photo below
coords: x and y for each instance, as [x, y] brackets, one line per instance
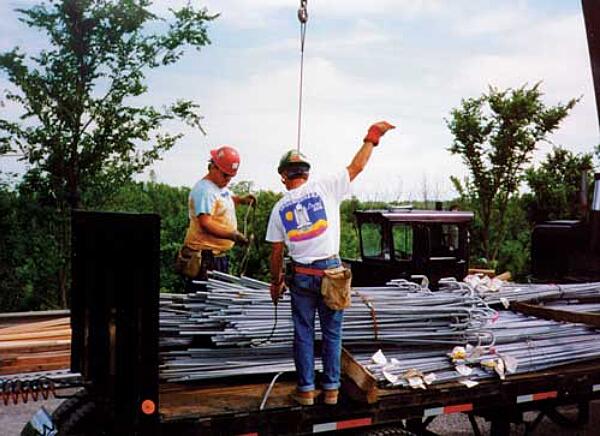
[303, 12]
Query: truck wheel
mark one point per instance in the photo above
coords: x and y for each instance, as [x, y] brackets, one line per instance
[67, 407]
[77, 416]
[80, 422]
[61, 413]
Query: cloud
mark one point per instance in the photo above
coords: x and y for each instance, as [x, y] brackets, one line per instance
[407, 61]
[255, 14]
[500, 19]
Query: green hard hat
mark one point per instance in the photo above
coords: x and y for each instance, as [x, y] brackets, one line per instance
[292, 158]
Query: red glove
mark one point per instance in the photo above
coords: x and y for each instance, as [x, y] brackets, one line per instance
[376, 131]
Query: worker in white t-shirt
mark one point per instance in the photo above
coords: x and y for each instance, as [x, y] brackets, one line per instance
[307, 221]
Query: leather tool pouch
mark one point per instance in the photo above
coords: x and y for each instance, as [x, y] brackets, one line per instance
[188, 262]
[336, 287]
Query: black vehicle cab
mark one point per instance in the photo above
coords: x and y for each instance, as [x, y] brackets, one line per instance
[400, 243]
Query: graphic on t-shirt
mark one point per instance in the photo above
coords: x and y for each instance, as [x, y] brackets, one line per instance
[304, 219]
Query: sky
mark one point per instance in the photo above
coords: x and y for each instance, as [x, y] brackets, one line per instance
[409, 62]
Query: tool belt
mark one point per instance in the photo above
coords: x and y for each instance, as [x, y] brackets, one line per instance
[309, 271]
[336, 284]
[193, 264]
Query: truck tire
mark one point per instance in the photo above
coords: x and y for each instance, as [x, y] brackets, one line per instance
[77, 416]
[67, 407]
[80, 422]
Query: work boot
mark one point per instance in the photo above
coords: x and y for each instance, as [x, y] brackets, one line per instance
[331, 396]
[304, 398]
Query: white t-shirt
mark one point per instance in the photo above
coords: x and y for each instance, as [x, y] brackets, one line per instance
[307, 218]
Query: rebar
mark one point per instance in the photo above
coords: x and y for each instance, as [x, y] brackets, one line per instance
[236, 316]
[529, 343]
[505, 292]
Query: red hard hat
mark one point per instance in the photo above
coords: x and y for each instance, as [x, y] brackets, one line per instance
[227, 159]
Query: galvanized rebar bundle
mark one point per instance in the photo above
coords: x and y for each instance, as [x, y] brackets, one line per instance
[523, 344]
[237, 316]
[509, 292]
[210, 363]
[238, 312]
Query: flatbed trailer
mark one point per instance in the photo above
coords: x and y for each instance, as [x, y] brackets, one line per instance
[114, 318]
[233, 409]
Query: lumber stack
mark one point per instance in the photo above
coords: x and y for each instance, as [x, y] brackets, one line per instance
[35, 346]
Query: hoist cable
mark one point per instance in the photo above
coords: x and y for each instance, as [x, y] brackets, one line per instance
[303, 18]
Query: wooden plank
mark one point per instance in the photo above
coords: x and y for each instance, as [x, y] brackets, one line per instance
[181, 401]
[590, 319]
[15, 318]
[35, 362]
[485, 272]
[36, 366]
[15, 345]
[506, 276]
[361, 377]
[36, 326]
[32, 350]
[55, 334]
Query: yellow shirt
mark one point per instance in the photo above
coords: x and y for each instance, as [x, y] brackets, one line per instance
[207, 198]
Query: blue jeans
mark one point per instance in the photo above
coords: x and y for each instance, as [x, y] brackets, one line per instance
[306, 300]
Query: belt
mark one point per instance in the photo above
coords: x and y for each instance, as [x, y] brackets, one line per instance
[312, 271]
[308, 271]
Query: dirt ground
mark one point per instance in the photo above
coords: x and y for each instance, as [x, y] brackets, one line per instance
[13, 418]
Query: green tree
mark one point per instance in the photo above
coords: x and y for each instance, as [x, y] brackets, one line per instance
[29, 249]
[349, 244]
[80, 129]
[556, 185]
[10, 292]
[496, 135]
[171, 204]
[79, 124]
[514, 252]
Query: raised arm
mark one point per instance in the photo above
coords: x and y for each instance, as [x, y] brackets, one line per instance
[376, 131]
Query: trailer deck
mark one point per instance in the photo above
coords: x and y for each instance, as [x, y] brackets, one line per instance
[234, 409]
